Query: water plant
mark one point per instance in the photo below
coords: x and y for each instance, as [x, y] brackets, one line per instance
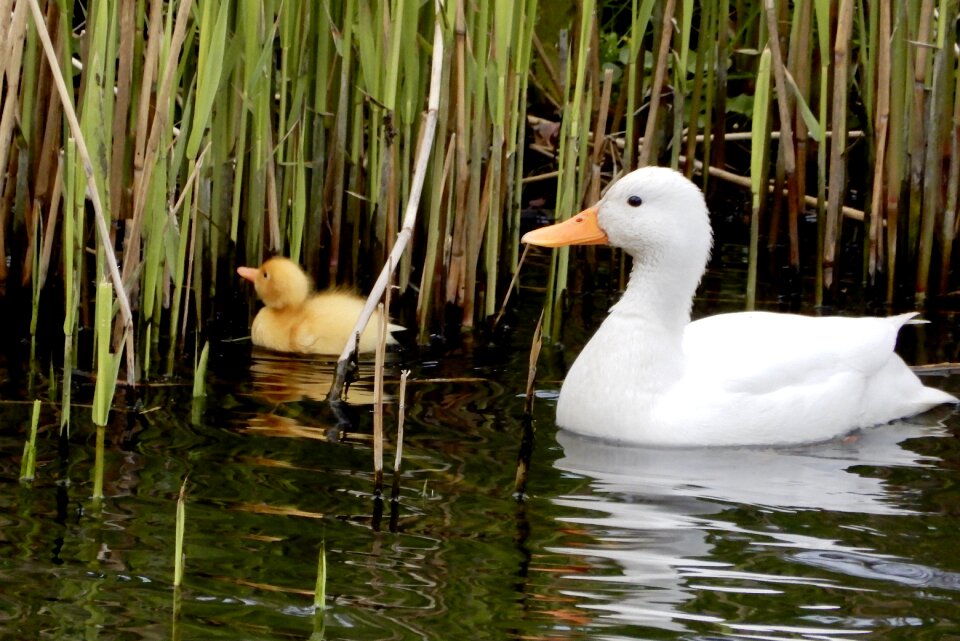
[191, 137]
[181, 523]
[29, 461]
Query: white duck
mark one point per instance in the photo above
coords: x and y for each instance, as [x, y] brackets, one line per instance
[651, 376]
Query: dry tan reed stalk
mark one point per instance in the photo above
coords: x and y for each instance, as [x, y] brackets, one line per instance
[535, 345]
[786, 147]
[12, 50]
[378, 400]
[882, 121]
[841, 62]
[599, 137]
[401, 417]
[666, 34]
[950, 218]
[742, 181]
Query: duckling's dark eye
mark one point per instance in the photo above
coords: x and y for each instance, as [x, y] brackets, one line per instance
[265, 274]
[634, 201]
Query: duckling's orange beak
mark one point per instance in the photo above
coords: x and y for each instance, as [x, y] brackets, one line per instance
[248, 273]
[581, 229]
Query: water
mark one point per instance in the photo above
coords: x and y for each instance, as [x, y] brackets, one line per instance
[850, 539]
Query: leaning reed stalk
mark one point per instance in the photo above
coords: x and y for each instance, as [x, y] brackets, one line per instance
[428, 126]
[93, 191]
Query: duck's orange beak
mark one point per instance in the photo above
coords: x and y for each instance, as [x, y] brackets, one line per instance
[581, 229]
[248, 273]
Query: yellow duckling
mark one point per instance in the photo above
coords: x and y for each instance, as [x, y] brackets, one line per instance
[298, 319]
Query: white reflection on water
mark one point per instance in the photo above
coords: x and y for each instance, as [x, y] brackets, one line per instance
[656, 514]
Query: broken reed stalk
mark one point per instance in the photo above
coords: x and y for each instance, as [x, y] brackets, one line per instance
[401, 416]
[786, 148]
[424, 151]
[513, 283]
[526, 439]
[378, 402]
[29, 460]
[535, 346]
[178, 556]
[93, 192]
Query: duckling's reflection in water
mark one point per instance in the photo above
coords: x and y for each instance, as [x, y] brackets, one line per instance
[644, 531]
[286, 379]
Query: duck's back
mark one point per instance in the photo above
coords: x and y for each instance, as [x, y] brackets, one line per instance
[758, 377]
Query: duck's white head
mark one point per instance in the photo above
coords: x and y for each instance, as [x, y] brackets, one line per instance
[658, 217]
[654, 214]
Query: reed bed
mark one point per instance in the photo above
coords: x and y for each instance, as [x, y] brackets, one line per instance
[148, 147]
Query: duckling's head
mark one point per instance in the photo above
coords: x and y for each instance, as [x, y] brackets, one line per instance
[279, 282]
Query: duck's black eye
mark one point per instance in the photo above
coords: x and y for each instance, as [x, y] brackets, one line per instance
[266, 274]
[634, 201]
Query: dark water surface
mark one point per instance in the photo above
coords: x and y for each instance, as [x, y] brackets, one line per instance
[852, 539]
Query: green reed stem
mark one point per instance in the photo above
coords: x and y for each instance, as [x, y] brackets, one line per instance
[29, 461]
[179, 558]
[759, 153]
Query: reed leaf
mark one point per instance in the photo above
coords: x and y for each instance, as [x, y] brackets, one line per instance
[200, 372]
[108, 363]
[210, 61]
[759, 152]
[179, 557]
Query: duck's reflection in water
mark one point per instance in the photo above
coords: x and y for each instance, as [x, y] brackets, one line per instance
[657, 531]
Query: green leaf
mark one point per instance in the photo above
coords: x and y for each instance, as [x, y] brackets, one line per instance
[810, 120]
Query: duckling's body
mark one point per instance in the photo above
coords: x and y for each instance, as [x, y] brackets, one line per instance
[297, 319]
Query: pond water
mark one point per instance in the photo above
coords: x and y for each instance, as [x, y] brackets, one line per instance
[855, 538]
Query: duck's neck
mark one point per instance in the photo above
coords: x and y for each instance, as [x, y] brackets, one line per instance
[658, 299]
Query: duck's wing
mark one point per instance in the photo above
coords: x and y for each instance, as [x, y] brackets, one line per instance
[758, 352]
